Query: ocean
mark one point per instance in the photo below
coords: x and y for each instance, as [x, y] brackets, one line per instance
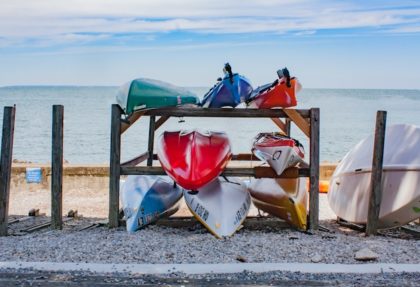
[347, 116]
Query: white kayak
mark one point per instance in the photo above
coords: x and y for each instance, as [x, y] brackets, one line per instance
[278, 150]
[221, 206]
[349, 189]
[285, 198]
[145, 199]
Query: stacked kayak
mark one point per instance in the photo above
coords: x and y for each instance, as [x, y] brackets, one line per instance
[349, 188]
[230, 91]
[279, 94]
[278, 150]
[147, 94]
[283, 198]
[193, 158]
[286, 198]
[221, 205]
[145, 199]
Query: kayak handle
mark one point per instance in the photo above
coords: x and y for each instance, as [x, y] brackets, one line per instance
[284, 73]
[228, 69]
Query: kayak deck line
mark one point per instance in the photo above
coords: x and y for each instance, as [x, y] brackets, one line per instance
[220, 268]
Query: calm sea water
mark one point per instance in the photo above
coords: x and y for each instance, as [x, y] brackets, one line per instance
[347, 116]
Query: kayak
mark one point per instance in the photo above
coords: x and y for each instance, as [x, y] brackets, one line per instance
[221, 205]
[193, 158]
[148, 94]
[349, 189]
[145, 199]
[230, 91]
[278, 150]
[279, 94]
[285, 198]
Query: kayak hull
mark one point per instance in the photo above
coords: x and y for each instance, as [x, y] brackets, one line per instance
[221, 206]
[146, 199]
[147, 94]
[279, 151]
[193, 158]
[349, 188]
[286, 199]
[228, 94]
[275, 96]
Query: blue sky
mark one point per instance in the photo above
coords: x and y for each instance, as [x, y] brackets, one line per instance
[326, 44]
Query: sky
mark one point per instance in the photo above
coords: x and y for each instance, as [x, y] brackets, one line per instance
[326, 44]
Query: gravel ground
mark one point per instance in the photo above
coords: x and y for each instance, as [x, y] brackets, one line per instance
[191, 243]
[258, 241]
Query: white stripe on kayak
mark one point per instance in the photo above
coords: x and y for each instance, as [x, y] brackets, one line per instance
[214, 268]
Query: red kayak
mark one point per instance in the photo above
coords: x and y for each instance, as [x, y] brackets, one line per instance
[191, 158]
[279, 94]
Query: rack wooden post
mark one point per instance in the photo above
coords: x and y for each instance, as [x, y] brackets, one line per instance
[114, 168]
[6, 166]
[375, 197]
[314, 171]
[57, 167]
[305, 120]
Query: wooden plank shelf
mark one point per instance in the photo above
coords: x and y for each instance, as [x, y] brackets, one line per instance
[257, 172]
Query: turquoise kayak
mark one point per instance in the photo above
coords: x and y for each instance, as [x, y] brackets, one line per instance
[148, 94]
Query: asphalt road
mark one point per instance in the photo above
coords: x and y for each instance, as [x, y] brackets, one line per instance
[49, 279]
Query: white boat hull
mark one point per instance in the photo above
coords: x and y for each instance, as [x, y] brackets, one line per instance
[146, 199]
[349, 189]
[348, 197]
[278, 157]
[221, 206]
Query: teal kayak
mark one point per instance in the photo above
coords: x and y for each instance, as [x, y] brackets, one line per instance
[148, 94]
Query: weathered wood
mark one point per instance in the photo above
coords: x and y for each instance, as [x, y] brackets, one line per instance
[375, 197]
[57, 167]
[314, 171]
[280, 124]
[258, 172]
[6, 165]
[299, 121]
[223, 112]
[130, 120]
[161, 121]
[288, 126]
[137, 160]
[114, 167]
[151, 140]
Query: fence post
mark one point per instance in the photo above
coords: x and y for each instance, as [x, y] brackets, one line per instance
[6, 165]
[114, 166]
[375, 196]
[57, 167]
[314, 171]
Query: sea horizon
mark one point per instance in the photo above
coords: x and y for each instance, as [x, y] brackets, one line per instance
[347, 116]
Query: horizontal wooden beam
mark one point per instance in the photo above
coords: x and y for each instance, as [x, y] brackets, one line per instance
[238, 157]
[137, 160]
[222, 112]
[257, 172]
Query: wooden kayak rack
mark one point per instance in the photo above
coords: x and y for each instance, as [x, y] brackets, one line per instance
[306, 120]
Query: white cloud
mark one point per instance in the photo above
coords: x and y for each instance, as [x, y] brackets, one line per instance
[81, 21]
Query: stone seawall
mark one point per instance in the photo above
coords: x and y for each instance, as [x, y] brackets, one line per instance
[90, 176]
[85, 188]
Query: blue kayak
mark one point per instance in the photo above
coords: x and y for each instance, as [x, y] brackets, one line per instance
[145, 199]
[230, 91]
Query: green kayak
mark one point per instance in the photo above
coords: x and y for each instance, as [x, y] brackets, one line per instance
[148, 94]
